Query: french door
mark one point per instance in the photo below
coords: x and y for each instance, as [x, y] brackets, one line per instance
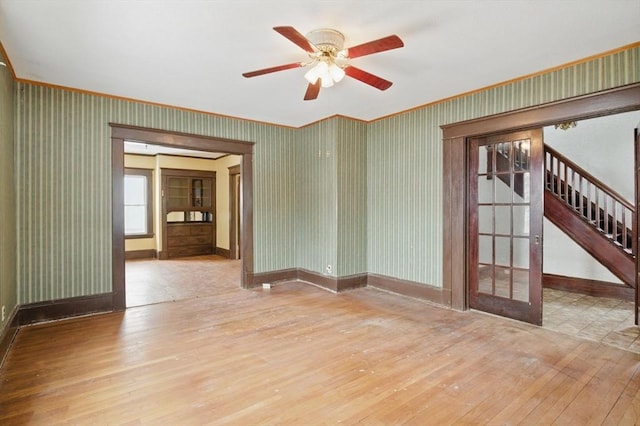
[505, 225]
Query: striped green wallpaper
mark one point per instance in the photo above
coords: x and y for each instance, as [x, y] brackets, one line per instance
[63, 173]
[404, 161]
[351, 175]
[322, 193]
[316, 198]
[331, 197]
[8, 298]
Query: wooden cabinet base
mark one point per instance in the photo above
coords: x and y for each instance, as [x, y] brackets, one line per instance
[189, 239]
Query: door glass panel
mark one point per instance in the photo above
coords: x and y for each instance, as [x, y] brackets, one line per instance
[503, 157]
[521, 253]
[503, 251]
[521, 220]
[503, 188]
[485, 219]
[521, 155]
[503, 282]
[485, 249]
[521, 284]
[485, 190]
[484, 159]
[485, 279]
[524, 195]
[503, 220]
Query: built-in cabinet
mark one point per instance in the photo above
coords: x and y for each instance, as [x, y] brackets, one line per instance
[189, 226]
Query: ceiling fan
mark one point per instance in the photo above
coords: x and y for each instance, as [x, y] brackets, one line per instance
[330, 59]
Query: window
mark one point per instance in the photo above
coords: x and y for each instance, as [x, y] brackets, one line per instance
[137, 203]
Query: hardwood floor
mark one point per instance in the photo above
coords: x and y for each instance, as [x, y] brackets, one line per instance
[155, 281]
[296, 354]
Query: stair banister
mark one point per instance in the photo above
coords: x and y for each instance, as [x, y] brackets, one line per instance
[589, 197]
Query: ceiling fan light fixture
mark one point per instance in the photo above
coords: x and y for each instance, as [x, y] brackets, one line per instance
[317, 71]
[336, 72]
[328, 72]
[329, 60]
[326, 81]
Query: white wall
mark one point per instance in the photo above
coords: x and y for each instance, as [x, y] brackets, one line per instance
[604, 147]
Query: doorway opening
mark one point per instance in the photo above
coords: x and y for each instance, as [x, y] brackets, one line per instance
[120, 134]
[456, 151]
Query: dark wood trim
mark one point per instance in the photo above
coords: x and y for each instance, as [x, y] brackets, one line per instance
[140, 254]
[223, 252]
[187, 157]
[246, 218]
[352, 282]
[455, 201]
[334, 284]
[187, 172]
[613, 101]
[8, 334]
[181, 140]
[271, 277]
[64, 308]
[234, 197]
[593, 242]
[329, 283]
[117, 225]
[439, 296]
[139, 237]
[636, 220]
[588, 287]
[455, 136]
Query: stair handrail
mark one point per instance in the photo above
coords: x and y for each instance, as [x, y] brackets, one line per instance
[602, 207]
[588, 176]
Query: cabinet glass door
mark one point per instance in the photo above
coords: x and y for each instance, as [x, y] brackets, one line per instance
[177, 192]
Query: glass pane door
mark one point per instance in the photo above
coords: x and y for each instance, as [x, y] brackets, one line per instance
[505, 218]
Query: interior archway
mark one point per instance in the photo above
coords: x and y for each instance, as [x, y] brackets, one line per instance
[120, 133]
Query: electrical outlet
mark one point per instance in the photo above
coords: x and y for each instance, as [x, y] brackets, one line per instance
[329, 269]
[4, 311]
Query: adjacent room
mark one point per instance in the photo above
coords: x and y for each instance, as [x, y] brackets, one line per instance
[319, 212]
[172, 243]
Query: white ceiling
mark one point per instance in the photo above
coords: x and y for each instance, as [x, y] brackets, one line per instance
[191, 53]
[142, 148]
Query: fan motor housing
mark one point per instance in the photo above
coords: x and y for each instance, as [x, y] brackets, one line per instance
[326, 39]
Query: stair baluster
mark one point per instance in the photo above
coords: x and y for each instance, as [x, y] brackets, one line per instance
[595, 202]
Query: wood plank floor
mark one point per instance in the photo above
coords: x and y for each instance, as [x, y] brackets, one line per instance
[151, 281]
[296, 354]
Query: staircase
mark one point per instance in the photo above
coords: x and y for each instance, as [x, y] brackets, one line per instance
[595, 216]
[592, 214]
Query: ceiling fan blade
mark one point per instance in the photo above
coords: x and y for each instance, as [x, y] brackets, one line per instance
[293, 35]
[312, 91]
[380, 45]
[368, 78]
[272, 69]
